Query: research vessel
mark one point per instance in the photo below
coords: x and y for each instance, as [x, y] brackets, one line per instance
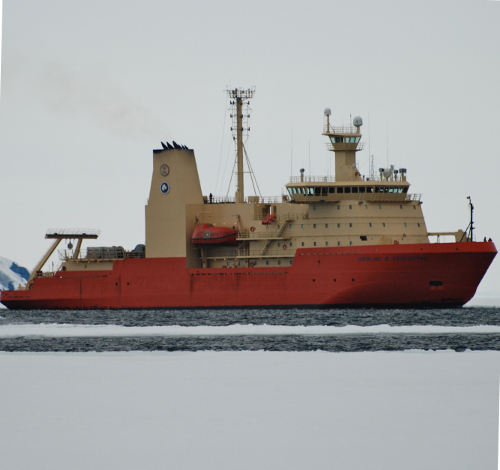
[344, 241]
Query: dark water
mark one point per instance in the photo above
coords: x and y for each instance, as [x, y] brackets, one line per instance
[285, 342]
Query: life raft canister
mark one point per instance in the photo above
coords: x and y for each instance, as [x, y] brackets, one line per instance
[252, 229]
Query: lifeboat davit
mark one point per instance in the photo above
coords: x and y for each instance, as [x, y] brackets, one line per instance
[207, 234]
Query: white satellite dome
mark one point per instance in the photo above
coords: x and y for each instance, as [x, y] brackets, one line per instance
[328, 111]
[357, 121]
[387, 172]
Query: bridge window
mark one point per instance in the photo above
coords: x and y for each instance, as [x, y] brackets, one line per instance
[347, 189]
[377, 189]
[362, 189]
[340, 190]
[324, 191]
[317, 191]
[331, 189]
[357, 139]
[355, 190]
[310, 191]
[369, 189]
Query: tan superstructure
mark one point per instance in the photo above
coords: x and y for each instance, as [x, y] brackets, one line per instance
[349, 210]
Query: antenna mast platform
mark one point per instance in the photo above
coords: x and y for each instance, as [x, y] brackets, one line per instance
[240, 117]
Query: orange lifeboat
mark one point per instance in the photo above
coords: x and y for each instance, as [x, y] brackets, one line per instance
[207, 234]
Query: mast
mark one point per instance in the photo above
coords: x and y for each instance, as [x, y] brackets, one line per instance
[240, 120]
[240, 192]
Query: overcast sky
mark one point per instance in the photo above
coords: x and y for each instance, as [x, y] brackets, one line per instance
[90, 88]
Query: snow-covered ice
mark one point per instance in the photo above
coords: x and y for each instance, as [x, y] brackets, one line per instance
[249, 410]
[56, 330]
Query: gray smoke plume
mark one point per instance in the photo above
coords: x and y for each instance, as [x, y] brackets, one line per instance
[66, 93]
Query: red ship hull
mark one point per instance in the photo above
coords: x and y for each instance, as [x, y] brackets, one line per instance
[411, 276]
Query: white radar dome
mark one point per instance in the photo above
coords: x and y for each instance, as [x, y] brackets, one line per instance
[357, 121]
[328, 111]
[387, 172]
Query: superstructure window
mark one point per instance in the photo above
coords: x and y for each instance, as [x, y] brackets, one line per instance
[340, 190]
[347, 190]
[338, 225]
[350, 207]
[369, 189]
[331, 189]
[326, 225]
[302, 243]
[377, 189]
[362, 189]
[350, 224]
[326, 243]
[338, 243]
[350, 243]
[314, 243]
[363, 238]
[291, 244]
[310, 191]
[324, 191]
[279, 261]
[317, 191]
[405, 189]
[383, 224]
[355, 190]
[370, 224]
[314, 225]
